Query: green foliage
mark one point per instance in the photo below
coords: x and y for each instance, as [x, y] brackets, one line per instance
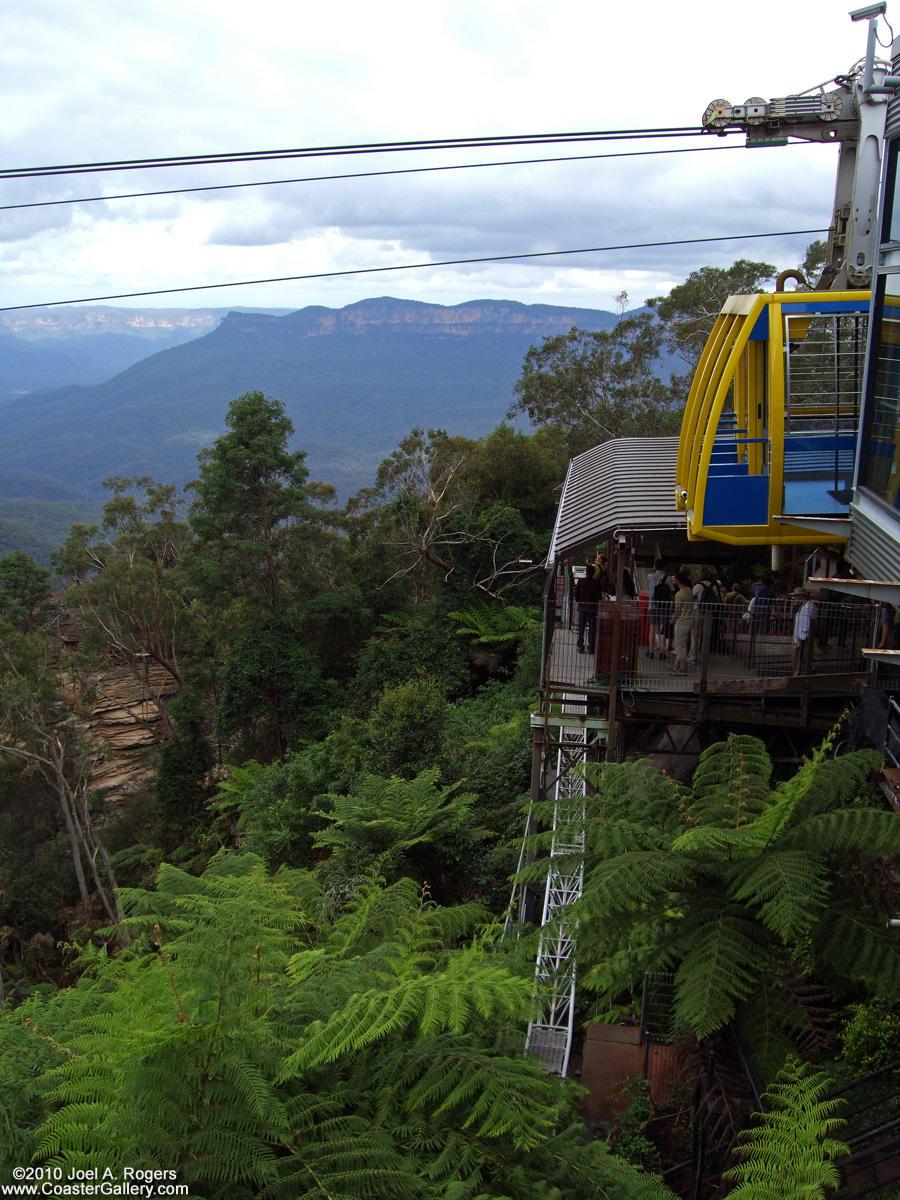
[598, 385]
[733, 885]
[690, 309]
[250, 505]
[629, 1137]
[255, 1047]
[25, 591]
[870, 1038]
[489, 625]
[410, 645]
[373, 831]
[814, 260]
[790, 1153]
[269, 685]
[181, 790]
[405, 727]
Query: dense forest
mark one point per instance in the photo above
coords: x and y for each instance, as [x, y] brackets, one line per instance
[275, 964]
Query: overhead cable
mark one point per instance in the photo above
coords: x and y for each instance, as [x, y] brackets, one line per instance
[187, 160]
[224, 187]
[420, 266]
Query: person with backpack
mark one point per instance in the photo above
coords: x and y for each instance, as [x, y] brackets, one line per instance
[659, 610]
[587, 597]
[707, 597]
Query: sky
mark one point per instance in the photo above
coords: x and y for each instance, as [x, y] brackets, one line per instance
[102, 81]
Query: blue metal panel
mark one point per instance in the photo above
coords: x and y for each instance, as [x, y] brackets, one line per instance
[760, 332]
[827, 306]
[736, 500]
[839, 441]
[727, 468]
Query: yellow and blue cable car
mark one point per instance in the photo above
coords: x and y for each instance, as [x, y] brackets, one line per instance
[772, 418]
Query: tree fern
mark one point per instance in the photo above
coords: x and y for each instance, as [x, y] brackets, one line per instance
[731, 882]
[787, 888]
[731, 781]
[720, 963]
[490, 625]
[386, 818]
[259, 1047]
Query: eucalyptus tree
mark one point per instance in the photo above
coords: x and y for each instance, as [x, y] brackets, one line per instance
[128, 589]
[250, 563]
[689, 311]
[447, 510]
[42, 733]
[25, 591]
[595, 385]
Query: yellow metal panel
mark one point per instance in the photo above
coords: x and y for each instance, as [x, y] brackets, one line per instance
[775, 407]
[689, 422]
[714, 401]
[759, 535]
[719, 368]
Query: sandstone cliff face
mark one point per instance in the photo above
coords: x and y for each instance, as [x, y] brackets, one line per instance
[125, 722]
[409, 316]
[67, 322]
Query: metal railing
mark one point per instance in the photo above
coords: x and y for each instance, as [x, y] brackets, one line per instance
[725, 644]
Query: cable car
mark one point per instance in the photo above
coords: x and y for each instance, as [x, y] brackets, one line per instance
[772, 417]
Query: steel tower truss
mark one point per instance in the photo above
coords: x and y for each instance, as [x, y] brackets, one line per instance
[550, 1033]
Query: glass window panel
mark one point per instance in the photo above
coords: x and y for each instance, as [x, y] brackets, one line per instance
[892, 196]
[880, 467]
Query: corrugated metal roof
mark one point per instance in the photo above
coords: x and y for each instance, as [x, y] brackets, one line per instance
[626, 484]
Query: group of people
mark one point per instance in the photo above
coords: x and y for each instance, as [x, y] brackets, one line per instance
[676, 615]
[596, 584]
[675, 612]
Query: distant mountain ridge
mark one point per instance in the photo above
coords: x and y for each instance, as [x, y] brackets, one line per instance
[354, 381]
[55, 346]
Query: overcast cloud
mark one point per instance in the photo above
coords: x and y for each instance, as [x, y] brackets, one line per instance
[104, 80]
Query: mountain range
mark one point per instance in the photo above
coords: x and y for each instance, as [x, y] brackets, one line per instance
[354, 381]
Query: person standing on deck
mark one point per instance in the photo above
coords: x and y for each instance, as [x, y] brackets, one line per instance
[684, 619]
[587, 597]
[803, 623]
[658, 609]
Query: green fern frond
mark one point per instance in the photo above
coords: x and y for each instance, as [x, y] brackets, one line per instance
[787, 887]
[231, 797]
[721, 954]
[731, 781]
[790, 1152]
[466, 992]
[838, 781]
[493, 1094]
[871, 830]
[489, 625]
[859, 946]
[633, 880]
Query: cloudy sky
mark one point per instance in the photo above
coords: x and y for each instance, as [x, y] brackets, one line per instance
[104, 80]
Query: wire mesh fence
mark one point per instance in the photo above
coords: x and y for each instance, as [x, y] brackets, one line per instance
[719, 642]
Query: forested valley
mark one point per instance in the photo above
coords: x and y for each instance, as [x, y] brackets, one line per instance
[276, 964]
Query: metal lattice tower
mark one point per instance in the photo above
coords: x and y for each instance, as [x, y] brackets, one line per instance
[550, 1034]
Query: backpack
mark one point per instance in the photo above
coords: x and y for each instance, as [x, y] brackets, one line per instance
[710, 595]
[662, 593]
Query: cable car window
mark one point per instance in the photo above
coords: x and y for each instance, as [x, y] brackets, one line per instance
[880, 465]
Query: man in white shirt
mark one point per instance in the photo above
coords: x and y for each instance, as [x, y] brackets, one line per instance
[805, 615]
